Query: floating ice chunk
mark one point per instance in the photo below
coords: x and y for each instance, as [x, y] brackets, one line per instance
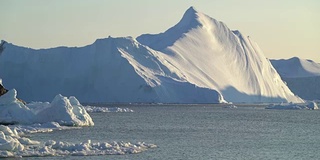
[63, 112]
[310, 105]
[14, 111]
[90, 148]
[9, 140]
[231, 106]
[74, 101]
[27, 141]
[91, 109]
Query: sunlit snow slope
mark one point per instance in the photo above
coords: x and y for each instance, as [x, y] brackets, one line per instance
[109, 70]
[210, 55]
[195, 61]
[301, 75]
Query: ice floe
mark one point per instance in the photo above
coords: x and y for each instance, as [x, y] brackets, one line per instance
[231, 106]
[13, 145]
[92, 109]
[311, 105]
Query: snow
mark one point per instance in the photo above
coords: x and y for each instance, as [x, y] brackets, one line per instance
[95, 109]
[199, 60]
[13, 145]
[210, 55]
[284, 106]
[296, 67]
[12, 110]
[62, 110]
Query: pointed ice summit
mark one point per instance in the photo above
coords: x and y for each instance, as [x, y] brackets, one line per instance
[210, 55]
[199, 60]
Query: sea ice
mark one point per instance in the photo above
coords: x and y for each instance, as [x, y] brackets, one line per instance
[92, 109]
[311, 105]
[12, 145]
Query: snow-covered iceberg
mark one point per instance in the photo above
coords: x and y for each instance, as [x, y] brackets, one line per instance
[199, 60]
[65, 111]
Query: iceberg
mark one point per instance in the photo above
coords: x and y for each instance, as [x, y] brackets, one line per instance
[199, 60]
[13, 111]
[67, 112]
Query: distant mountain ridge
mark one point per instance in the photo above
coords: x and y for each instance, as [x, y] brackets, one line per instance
[199, 60]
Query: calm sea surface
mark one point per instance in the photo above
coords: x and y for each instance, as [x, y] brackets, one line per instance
[202, 132]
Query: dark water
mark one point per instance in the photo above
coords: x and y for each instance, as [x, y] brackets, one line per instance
[203, 132]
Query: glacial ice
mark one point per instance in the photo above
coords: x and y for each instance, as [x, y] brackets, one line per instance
[91, 109]
[199, 60]
[311, 105]
[68, 112]
[13, 145]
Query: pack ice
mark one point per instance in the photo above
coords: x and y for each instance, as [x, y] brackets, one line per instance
[199, 60]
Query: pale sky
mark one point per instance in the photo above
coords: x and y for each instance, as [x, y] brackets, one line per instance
[282, 28]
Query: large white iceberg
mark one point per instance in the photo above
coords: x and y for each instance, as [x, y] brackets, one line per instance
[65, 111]
[199, 60]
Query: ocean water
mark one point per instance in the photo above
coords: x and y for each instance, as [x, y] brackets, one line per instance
[202, 132]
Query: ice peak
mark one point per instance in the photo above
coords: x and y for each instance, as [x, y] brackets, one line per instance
[190, 18]
[191, 10]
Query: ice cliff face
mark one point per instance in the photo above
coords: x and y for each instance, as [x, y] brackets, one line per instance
[199, 60]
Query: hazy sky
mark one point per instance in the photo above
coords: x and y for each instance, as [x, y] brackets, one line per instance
[282, 28]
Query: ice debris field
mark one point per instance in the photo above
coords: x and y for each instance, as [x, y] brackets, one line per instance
[61, 113]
